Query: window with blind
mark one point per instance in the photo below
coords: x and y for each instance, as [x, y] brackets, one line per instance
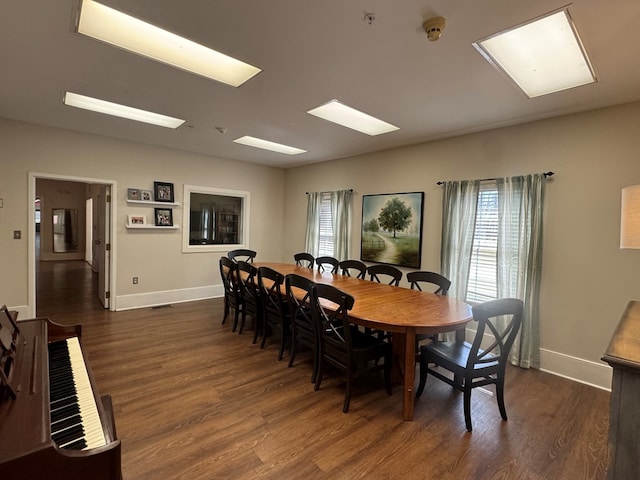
[483, 274]
[325, 244]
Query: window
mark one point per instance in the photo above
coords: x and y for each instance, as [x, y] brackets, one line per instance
[215, 220]
[325, 241]
[483, 276]
[328, 223]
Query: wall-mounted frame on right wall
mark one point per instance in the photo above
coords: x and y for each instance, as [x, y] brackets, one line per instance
[391, 230]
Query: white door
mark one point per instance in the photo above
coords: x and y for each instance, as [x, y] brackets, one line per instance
[101, 243]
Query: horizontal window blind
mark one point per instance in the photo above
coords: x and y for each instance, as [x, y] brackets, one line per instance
[325, 244]
[483, 275]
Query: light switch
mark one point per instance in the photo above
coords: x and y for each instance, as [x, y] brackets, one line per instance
[17, 234]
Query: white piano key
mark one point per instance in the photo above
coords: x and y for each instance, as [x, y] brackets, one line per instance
[94, 435]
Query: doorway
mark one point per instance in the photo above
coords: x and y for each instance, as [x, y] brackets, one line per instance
[94, 236]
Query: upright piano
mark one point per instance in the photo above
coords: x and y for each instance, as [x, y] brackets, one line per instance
[53, 423]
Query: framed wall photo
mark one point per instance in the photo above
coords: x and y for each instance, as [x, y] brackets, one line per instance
[163, 192]
[136, 219]
[146, 195]
[163, 217]
[392, 228]
[133, 194]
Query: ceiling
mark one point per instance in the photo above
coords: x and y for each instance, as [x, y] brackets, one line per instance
[310, 52]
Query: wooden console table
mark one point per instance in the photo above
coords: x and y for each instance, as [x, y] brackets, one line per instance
[623, 354]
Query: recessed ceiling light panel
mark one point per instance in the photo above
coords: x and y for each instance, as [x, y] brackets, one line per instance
[121, 30]
[117, 110]
[267, 145]
[542, 56]
[339, 113]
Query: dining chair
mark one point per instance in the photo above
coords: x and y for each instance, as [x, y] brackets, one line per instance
[274, 307]
[303, 330]
[471, 366]
[342, 345]
[242, 254]
[251, 302]
[422, 279]
[232, 290]
[353, 268]
[304, 259]
[385, 274]
[327, 263]
[433, 282]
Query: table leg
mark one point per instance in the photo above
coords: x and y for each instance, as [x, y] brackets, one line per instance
[404, 367]
[409, 373]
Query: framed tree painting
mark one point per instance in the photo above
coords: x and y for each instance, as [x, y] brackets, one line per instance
[392, 228]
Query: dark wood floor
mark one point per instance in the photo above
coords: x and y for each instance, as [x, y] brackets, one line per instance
[193, 400]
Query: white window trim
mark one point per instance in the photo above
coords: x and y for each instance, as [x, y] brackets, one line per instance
[188, 190]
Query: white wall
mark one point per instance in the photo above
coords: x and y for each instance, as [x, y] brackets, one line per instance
[587, 279]
[165, 273]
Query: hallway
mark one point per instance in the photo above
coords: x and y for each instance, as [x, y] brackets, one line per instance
[66, 288]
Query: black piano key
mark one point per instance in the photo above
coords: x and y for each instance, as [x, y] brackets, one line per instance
[68, 435]
[78, 444]
[65, 423]
[55, 404]
[64, 412]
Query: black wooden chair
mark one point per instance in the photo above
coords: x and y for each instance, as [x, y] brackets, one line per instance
[470, 365]
[385, 274]
[274, 307]
[304, 259]
[232, 290]
[303, 330]
[341, 343]
[431, 281]
[242, 254]
[353, 268]
[327, 264]
[423, 280]
[251, 302]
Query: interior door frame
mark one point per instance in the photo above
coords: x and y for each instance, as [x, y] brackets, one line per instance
[31, 245]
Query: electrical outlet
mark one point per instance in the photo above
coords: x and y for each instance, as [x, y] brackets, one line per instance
[135, 280]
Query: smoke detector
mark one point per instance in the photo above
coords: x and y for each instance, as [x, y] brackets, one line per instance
[434, 27]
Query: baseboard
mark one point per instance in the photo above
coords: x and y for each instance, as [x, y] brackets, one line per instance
[573, 368]
[584, 371]
[155, 299]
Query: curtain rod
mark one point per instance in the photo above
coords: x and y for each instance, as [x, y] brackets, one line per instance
[546, 174]
[350, 189]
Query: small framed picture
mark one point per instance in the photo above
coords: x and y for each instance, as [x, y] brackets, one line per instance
[136, 220]
[164, 217]
[163, 192]
[133, 194]
[146, 195]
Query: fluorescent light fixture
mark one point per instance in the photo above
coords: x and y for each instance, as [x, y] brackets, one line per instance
[116, 28]
[542, 56]
[339, 113]
[267, 145]
[117, 110]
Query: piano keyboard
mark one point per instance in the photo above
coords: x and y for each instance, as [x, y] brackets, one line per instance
[75, 422]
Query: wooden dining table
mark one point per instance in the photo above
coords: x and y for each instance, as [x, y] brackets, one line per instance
[401, 311]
